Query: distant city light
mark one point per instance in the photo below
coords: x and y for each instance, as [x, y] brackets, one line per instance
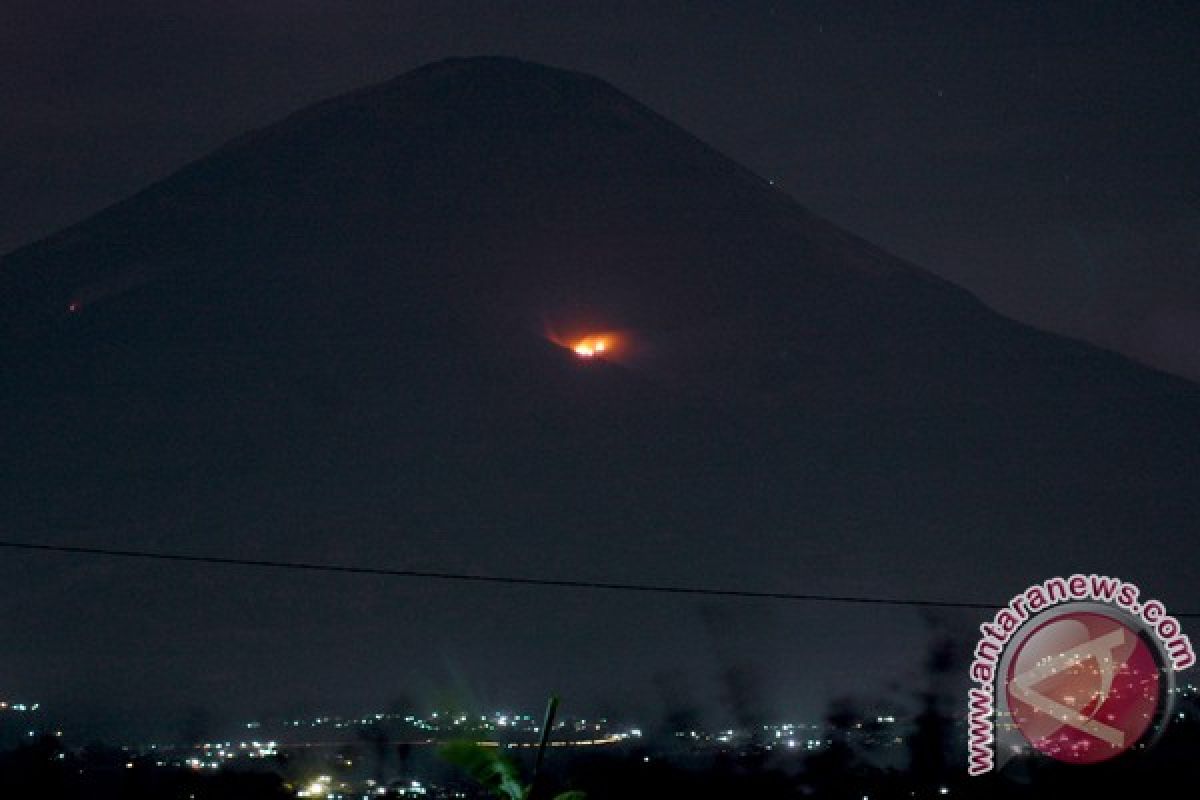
[498, 729]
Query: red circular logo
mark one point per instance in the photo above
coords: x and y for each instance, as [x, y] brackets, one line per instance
[1083, 687]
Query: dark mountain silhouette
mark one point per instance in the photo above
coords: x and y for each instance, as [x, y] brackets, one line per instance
[335, 338]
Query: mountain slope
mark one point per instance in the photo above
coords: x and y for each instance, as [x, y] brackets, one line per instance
[341, 336]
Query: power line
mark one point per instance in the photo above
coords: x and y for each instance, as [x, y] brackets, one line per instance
[511, 580]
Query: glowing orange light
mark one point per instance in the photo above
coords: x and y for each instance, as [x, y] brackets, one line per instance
[594, 345]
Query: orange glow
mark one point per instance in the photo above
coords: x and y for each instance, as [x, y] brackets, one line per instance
[606, 344]
[594, 345]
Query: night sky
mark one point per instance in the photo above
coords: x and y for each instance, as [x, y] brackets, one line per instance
[1042, 158]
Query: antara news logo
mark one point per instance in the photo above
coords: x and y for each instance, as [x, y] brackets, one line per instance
[1079, 669]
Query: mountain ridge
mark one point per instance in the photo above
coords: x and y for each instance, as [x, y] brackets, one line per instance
[347, 339]
[60, 286]
[506, 70]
